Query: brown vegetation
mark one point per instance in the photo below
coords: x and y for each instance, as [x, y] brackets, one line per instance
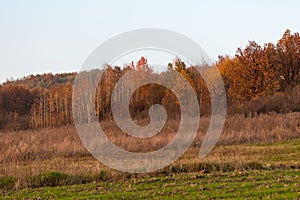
[37, 134]
[258, 79]
[37, 151]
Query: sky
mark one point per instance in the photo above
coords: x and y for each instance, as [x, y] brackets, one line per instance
[58, 35]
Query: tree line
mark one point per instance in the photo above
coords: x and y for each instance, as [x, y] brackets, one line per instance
[257, 79]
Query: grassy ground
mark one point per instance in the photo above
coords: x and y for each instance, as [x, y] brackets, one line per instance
[271, 184]
[255, 157]
[249, 171]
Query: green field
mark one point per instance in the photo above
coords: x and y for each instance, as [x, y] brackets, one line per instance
[271, 184]
[273, 174]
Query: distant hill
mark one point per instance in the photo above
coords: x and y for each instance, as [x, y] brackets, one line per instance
[47, 80]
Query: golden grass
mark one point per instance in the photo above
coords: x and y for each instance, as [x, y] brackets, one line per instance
[33, 152]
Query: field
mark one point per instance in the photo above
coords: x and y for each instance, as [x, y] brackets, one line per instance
[271, 184]
[255, 157]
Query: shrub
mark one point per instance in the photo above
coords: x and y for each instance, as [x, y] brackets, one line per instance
[278, 102]
[7, 182]
[49, 179]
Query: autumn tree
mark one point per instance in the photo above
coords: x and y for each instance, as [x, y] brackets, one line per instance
[288, 50]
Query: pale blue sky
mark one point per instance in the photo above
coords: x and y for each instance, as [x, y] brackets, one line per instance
[39, 36]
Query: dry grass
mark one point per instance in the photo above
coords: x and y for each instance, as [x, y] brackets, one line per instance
[64, 142]
[34, 152]
[265, 128]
